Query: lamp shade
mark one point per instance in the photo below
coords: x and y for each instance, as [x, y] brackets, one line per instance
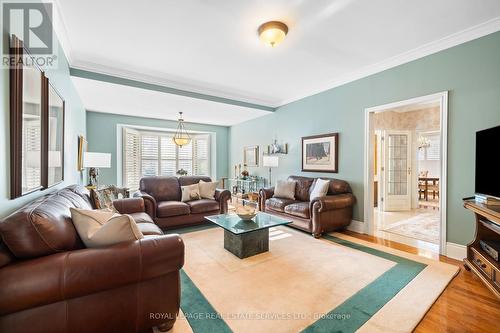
[270, 161]
[96, 160]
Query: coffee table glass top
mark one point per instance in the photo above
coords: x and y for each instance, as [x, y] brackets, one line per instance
[233, 223]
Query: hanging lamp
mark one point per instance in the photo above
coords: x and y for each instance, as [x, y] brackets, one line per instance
[181, 137]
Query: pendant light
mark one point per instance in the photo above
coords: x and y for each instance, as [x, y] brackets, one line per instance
[181, 137]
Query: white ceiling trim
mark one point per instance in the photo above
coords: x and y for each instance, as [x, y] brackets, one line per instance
[458, 38]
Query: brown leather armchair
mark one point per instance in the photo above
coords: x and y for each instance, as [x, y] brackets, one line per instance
[52, 283]
[325, 214]
[162, 201]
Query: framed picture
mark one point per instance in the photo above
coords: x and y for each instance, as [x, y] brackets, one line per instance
[251, 156]
[82, 148]
[27, 96]
[54, 158]
[320, 153]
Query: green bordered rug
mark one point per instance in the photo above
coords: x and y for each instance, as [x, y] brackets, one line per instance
[349, 316]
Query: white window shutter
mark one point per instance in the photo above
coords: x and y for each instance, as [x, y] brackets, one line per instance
[131, 158]
[201, 155]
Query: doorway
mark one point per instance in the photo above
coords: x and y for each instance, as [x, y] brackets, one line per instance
[405, 172]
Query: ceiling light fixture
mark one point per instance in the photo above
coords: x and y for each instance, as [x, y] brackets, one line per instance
[272, 33]
[181, 137]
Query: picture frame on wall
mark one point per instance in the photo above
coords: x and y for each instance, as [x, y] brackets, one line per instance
[54, 158]
[251, 156]
[82, 148]
[320, 153]
[27, 96]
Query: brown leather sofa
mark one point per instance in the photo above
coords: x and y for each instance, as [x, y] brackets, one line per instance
[51, 283]
[162, 197]
[325, 214]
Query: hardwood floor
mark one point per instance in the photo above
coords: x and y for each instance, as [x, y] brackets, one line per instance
[466, 305]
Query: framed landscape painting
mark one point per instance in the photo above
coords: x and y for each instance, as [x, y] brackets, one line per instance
[320, 153]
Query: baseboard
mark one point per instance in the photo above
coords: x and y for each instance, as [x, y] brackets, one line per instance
[357, 226]
[456, 251]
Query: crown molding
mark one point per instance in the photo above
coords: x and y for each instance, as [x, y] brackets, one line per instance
[447, 42]
[60, 29]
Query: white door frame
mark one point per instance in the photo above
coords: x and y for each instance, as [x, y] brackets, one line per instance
[442, 98]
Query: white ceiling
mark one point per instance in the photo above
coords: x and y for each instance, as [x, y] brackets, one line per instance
[119, 99]
[212, 46]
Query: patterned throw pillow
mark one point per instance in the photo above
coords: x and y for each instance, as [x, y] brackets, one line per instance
[103, 198]
[190, 192]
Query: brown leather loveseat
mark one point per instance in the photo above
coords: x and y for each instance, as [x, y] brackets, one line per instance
[324, 214]
[162, 198]
[51, 283]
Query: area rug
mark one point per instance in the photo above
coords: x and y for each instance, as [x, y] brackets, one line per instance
[333, 284]
[424, 226]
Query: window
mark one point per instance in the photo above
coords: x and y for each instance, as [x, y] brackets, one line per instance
[433, 152]
[147, 153]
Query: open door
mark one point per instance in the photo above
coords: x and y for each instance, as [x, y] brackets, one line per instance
[397, 172]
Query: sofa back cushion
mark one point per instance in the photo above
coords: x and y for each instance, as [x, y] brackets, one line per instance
[44, 226]
[190, 180]
[303, 187]
[336, 186]
[161, 188]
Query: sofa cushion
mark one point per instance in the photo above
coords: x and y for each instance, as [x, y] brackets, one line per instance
[161, 188]
[101, 228]
[172, 208]
[285, 189]
[149, 229]
[203, 206]
[190, 192]
[142, 217]
[190, 180]
[303, 187]
[207, 189]
[278, 204]
[44, 226]
[299, 209]
[319, 188]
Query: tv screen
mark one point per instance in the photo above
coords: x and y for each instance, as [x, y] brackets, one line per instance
[487, 168]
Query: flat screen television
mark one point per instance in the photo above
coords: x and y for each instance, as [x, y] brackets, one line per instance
[487, 167]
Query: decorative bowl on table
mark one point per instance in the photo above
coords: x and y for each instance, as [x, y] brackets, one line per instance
[246, 213]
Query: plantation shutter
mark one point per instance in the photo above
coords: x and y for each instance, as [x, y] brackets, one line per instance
[168, 166]
[131, 158]
[155, 154]
[201, 155]
[185, 158]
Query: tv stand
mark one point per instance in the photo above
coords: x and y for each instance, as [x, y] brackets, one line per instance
[487, 228]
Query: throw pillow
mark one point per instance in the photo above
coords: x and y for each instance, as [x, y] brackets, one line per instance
[99, 228]
[103, 198]
[207, 189]
[285, 189]
[320, 188]
[190, 192]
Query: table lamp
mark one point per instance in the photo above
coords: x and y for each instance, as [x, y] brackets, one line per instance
[94, 161]
[270, 161]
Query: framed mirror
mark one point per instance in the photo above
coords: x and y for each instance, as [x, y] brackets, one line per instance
[54, 124]
[27, 98]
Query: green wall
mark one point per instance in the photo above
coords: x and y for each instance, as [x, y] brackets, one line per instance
[471, 74]
[74, 126]
[102, 136]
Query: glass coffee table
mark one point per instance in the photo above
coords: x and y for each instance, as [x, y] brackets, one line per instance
[246, 238]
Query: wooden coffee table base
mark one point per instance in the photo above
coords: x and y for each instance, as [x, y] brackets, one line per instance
[247, 244]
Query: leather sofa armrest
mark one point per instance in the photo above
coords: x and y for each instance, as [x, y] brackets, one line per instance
[62, 276]
[129, 205]
[331, 202]
[264, 194]
[222, 196]
[149, 203]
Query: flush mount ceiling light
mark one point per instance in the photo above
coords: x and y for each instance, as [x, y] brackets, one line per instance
[272, 33]
[181, 137]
